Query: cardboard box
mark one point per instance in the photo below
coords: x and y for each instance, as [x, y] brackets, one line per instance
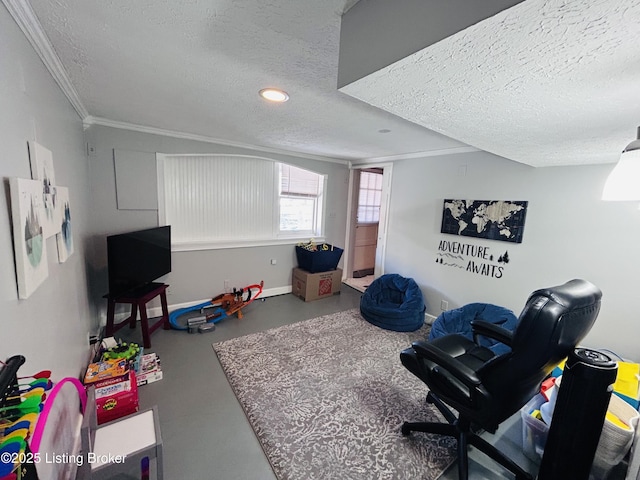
[116, 397]
[146, 378]
[314, 286]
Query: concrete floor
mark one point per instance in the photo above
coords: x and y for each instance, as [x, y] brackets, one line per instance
[204, 429]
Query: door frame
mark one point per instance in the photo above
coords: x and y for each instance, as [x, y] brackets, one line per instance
[352, 210]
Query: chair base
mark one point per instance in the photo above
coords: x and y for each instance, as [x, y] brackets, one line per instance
[460, 429]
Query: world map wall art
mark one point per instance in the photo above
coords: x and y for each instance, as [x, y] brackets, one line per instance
[487, 219]
[481, 219]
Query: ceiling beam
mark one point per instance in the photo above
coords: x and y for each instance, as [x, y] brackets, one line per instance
[377, 33]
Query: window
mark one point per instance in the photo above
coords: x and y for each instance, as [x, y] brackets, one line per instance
[300, 195]
[215, 201]
[370, 195]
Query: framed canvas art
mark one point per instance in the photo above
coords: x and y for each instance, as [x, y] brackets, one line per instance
[42, 169]
[28, 237]
[487, 219]
[64, 239]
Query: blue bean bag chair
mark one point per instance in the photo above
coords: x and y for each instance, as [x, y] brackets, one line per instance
[459, 321]
[394, 303]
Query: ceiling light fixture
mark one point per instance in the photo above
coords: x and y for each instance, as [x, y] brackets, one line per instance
[623, 183]
[274, 95]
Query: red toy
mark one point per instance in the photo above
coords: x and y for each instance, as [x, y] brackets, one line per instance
[223, 305]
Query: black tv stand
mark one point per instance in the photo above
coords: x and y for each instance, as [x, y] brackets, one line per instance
[138, 298]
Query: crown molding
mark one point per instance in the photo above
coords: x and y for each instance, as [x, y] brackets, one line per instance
[26, 19]
[427, 153]
[105, 122]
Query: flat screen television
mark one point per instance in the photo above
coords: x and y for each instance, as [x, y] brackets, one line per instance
[136, 259]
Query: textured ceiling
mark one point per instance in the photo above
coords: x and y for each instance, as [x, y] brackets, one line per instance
[546, 82]
[543, 83]
[195, 66]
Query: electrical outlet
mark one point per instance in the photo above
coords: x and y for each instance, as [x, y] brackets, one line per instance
[226, 286]
[444, 305]
[273, 261]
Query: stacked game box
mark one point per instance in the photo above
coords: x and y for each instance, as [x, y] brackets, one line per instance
[149, 370]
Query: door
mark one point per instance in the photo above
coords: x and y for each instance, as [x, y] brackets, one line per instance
[367, 230]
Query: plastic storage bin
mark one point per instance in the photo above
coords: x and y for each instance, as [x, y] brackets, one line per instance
[534, 431]
[319, 260]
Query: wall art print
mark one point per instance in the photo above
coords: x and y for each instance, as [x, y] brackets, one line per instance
[28, 236]
[64, 239]
[478, 259]
[42, 169]
[488, 219]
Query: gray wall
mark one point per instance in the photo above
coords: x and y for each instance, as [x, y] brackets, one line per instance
[50, 327]
[409, 26]
[569, 233]
[196, 275]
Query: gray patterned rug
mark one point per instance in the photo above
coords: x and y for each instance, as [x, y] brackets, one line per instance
[326, 398]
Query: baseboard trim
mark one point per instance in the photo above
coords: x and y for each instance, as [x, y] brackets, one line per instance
[429, 319]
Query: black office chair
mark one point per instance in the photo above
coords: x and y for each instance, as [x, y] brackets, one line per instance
[486, 388]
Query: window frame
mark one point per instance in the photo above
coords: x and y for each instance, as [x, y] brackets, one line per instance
[319, 200]
[275, 237]
[367, 205]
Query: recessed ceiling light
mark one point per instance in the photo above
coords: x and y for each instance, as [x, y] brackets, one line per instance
[274, 95]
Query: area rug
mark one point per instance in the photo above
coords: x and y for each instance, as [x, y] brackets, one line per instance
[326, 398]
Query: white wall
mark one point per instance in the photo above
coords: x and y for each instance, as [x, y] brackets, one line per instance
[569, 233]
[50, 327]
[197, 275]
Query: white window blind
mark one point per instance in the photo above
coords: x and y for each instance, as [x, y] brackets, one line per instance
[300, 200]
[214, 201]
[297, 181]
[218, 198]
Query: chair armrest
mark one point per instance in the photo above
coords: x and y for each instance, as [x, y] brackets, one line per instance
[491, 330]
[453, 366]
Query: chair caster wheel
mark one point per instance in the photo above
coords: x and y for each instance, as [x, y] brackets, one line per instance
[406, 431]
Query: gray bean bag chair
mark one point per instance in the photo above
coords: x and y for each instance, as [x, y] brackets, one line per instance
[394, 303]
[459, 321]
